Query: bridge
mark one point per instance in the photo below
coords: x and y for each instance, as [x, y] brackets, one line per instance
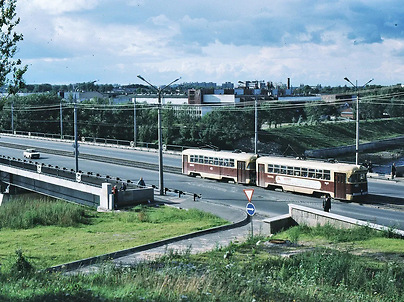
[18, 175]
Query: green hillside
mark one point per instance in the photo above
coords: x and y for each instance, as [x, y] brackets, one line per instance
[329, 134]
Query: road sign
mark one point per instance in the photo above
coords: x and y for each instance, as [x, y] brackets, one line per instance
[250, 208]
[249, 193]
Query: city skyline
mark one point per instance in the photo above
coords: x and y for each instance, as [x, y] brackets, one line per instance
[311, 42]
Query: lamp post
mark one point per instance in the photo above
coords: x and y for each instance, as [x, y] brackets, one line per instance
[76, 142]
[159, 91]
[255, 121]
[357, 116]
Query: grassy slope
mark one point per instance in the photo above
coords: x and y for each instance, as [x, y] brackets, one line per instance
[332, 134]
[106, 232]
[328, 269]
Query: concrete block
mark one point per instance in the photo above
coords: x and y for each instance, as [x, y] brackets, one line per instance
[279, 223]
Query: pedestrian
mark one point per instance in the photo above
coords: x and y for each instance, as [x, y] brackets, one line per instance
[393, 170]
[123, 187]
[370, 166]
[327, 204]
[141, 183]
[115, 193]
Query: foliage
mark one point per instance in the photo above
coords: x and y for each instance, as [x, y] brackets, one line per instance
[222, 128]
[27, 213]
[92, 233]
[8, 48]
[250, 272]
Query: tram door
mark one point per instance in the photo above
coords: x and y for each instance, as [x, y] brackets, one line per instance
[185, 164]
[241, 177]
[261, 175]
[340, 185]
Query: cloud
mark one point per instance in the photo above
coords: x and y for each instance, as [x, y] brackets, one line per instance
[312, 41]
[57, 7]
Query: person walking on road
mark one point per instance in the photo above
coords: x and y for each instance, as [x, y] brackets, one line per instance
[327, 204]
[393, 170]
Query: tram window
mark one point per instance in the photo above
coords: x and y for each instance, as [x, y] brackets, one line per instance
[283, 169]
[312, 173]
[290, 170]
[296, 171]
[216, 161]
[319, 173]
[206, 159]
[270, 168]
[201, 159]
[276, 169]
[210, 160]
[220, 161]
[304, 172]
[353, 178]
[357, 177]
[226, 162]
[327, 174]
[192, 158]
[231, 162]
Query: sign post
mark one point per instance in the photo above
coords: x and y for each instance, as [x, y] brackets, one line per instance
[250, 208]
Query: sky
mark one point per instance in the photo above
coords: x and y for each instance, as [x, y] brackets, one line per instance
[309, 41]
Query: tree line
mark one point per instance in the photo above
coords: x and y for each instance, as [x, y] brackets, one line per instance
[220, 127]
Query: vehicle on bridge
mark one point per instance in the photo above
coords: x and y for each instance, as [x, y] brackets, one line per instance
[31, 154]
[221, 165]
[337, 180]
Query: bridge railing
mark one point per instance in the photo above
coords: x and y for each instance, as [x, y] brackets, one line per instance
[99, 140]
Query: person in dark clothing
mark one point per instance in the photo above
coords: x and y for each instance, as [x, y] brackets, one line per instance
[123, 187]
[327, 204]
[141, 182]
[393, 170]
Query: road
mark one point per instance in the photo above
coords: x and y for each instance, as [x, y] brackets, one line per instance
[268, 203]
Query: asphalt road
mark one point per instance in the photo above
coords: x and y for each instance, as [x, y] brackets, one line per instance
[268, 203]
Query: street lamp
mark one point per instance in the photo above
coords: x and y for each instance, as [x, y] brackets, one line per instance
[159, 91]
[76, 143]
[357, 116]
[255, 121]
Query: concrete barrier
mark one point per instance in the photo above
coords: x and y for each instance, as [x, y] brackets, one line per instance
[300, 215]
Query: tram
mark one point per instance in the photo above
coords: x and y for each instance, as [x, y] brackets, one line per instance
[338, 180]
[221, 165]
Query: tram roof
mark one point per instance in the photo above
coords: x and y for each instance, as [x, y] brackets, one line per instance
[221, 154]
[308, 163]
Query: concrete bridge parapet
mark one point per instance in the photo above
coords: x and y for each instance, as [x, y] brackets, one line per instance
[301, 215]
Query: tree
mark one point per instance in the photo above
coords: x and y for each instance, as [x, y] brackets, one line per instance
[8, 47]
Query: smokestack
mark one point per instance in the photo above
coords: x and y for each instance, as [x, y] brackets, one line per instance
[288, 83]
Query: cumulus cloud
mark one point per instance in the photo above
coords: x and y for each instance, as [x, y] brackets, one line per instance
[312, 41]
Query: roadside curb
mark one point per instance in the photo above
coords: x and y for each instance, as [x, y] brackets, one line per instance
[70, 266]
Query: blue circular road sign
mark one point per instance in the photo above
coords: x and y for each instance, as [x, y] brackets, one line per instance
[250, 208]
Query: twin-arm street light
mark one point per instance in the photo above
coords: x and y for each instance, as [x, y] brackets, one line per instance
[357, 116]
[159, 91]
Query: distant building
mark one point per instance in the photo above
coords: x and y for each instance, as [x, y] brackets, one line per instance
[208, 99]
[81, 96]
[347, 112]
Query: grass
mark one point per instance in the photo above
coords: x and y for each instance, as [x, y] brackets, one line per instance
[52, 241]
[332, 134]
[251, 271]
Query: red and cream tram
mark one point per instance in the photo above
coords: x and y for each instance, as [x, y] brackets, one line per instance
[339, 180]
[226, 165]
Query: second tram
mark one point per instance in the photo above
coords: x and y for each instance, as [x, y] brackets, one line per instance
[338, 180]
